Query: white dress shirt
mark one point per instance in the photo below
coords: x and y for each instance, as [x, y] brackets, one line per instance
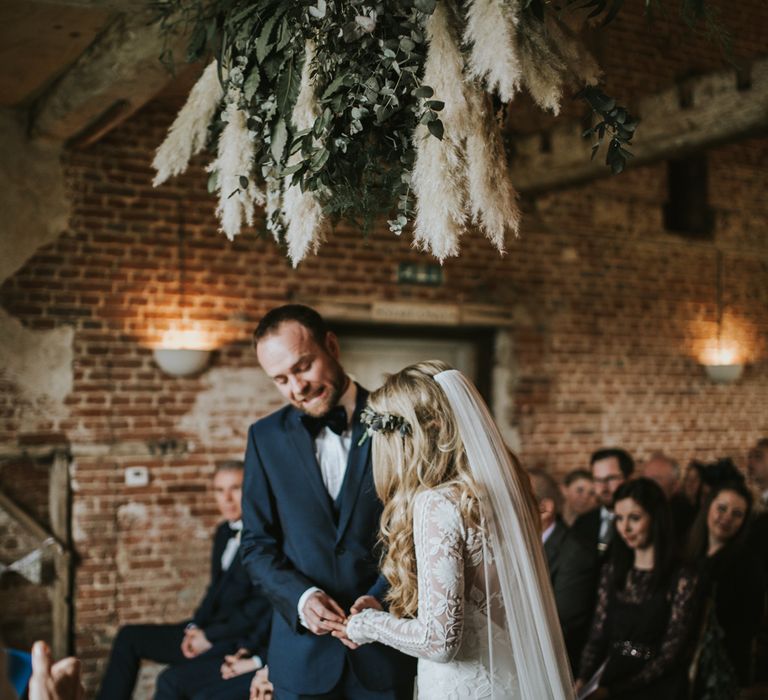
[606, 521]
[233, 544]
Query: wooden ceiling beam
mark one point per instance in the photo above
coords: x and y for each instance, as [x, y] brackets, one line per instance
[698, 113]
[122, 66]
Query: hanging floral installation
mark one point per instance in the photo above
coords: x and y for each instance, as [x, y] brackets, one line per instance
[320, 109]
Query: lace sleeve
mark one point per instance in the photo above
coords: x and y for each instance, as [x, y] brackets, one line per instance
[595, 649]
[435, 633]
[675, 638]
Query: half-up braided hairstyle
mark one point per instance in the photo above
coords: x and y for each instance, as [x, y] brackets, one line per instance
[416, 446]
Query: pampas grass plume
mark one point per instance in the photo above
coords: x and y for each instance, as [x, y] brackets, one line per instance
[492, 196]
[188, 133]
[491, 33]
[235, 158]
[306, 224]
[439, 175]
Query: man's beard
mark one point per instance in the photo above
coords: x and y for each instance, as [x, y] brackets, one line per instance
[337, 388]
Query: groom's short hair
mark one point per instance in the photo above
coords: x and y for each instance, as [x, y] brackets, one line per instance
[304, 315]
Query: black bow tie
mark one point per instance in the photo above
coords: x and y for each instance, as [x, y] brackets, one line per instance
[335, 419]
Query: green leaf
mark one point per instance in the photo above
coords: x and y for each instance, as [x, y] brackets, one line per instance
[284, 35]
[263, 46]
[213, 182]
[288, 85]
[291, 169]
[425, 6]
[197, 42]
[407, 45]
[335, 84]
[319, 159]
[252, 83]
[279, 139]
[435, 105]
[436, 128]
[423, 91]
[243, 182]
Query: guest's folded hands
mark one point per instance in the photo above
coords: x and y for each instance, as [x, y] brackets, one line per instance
[237, 664]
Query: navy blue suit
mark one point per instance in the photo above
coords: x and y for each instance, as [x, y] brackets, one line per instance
[232, 607]
[295, 537]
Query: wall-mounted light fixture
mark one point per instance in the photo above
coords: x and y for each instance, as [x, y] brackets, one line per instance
[181, 362]
[722, 364]
[182, 351]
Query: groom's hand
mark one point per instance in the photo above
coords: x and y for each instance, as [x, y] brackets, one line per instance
[363, 602]
[322, 613]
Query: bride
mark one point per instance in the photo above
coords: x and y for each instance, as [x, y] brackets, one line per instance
[469, 591]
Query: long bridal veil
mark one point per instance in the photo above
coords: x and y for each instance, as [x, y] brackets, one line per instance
[530, 615]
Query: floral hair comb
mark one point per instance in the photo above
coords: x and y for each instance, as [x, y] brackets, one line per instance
[382, 422]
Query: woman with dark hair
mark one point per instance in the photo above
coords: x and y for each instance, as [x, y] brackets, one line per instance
[692, 482]
[645, 605]
[732, 581]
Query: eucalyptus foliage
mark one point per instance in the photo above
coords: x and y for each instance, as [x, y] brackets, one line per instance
[356, 153]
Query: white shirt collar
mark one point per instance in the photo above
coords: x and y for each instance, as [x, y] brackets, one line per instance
[236, 524]
[545, 535]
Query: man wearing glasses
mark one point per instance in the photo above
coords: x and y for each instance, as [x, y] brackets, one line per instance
[611, 467]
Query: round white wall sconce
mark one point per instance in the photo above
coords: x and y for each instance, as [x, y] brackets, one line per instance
[181, 362]
[724, 374]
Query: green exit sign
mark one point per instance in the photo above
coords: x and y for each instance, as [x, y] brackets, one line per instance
[420, 273]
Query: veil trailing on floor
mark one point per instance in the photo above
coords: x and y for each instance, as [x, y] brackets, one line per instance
[512, 524]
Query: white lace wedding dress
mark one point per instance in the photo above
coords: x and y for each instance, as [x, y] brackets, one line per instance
[456, 588]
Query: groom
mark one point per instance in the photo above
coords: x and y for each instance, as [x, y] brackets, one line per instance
[311, 517]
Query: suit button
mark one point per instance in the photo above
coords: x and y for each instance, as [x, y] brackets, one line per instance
[340, 550]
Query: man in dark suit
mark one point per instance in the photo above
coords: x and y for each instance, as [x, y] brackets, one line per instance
[610, 467]
[311, 517]
[217, 676]
[231, 608]
[572, 567]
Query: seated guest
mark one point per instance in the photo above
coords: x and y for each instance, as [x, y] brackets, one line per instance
[732, 579]
[666, 473]
[692, 483]
[578, 495]
[217, 676]
[572, 566]
[231, 607]
[757, 469]
[645, 607]
[610, 467]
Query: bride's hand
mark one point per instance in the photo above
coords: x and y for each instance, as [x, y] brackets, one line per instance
[340, 632]
[363, 602]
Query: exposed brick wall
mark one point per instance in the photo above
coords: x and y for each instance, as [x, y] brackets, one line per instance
[611, 313]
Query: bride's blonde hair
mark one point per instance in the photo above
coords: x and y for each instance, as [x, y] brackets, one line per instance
[427, 454]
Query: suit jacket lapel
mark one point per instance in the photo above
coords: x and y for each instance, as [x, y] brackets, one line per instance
[305, 456]
[356, 465]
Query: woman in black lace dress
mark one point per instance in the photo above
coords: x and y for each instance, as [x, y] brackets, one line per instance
[732, 580]
[645, 608]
